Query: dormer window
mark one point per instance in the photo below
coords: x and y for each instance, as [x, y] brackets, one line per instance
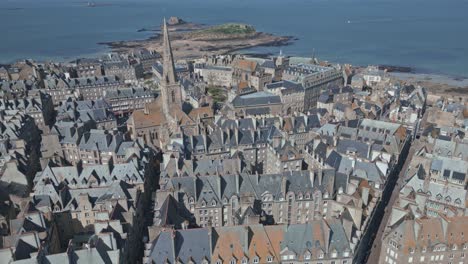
[203, 204]
[307, 256]
[191, 200]
[244, 261]
[213, 203]
[269, 259]
[233, 261]
[256, 260]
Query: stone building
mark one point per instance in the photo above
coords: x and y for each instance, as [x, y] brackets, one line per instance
[258, 103]
[40, 108]
[94, 88]
[93, 111]
[292, 95]
[88, 68]
[163, 117]
[289, 197]
[438, 240]
[214, 75]
[147, 58]
[58, 89]
[124, 70]
[315, 79]
[126, 100]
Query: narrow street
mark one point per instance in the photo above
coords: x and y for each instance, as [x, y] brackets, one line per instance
[377, 244]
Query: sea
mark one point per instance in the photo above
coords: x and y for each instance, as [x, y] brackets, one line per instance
[429, 35]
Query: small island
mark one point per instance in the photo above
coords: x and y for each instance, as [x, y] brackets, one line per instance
[190, 40]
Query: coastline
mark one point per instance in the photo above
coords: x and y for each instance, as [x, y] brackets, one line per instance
[189, 40]
[435, 83]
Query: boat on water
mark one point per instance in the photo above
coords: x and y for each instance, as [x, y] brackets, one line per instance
[91, 4]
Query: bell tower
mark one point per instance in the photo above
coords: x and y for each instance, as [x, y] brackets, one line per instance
[170, 88]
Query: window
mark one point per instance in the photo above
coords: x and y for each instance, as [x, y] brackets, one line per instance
[269, 259]
[233, 261]
[244, 261]
[256, 260]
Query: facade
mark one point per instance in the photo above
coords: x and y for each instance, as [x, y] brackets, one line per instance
[94, 88]
[124, 70]
[427, 240]
[292, 95]
[58, 89]
[215, 75]
[315, 79]
[88, 68]
[146, 58]
[96, 112]
[40, 108]
[246, 244]
[257, 103]
[128, 99]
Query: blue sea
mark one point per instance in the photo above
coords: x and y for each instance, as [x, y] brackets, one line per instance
[429, 35]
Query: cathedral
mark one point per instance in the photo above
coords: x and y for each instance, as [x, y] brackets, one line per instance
[164, 117]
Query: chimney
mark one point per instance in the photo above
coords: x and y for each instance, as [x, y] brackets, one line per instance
[320, 175]
[173, 236]
[312, 178]
[284, 184]
[246, 241]
[146, 110]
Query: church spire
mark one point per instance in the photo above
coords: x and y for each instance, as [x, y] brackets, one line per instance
[171, 93]
[169, 74]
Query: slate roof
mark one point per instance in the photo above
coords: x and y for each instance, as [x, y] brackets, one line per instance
[214, 188]
[133, 92]
[256, 99]
[268, 64]
[101, 140]
[186, 245]
[346, 146]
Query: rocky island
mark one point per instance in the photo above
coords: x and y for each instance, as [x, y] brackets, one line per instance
[190, 40]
